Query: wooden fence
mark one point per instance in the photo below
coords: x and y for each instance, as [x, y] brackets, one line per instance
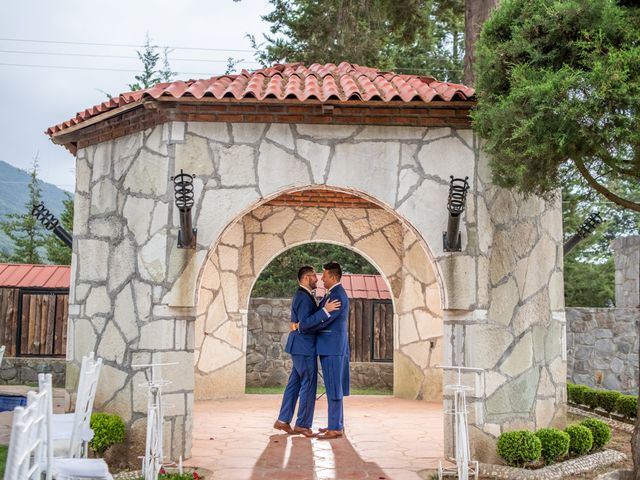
[33, 322]
[370, 330]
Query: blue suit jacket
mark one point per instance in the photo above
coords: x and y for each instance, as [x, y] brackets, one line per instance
[302, 306]
[333, 332]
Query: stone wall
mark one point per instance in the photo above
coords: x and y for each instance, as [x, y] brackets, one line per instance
[626, 255]
[602, 348]
[24, 370]
[269, 365]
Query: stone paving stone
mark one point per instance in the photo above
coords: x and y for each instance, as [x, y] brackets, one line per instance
[233, 438]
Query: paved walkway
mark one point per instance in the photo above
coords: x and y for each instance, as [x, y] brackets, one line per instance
[386, 439]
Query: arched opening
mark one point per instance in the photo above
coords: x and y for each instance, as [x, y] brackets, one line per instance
[370, 327]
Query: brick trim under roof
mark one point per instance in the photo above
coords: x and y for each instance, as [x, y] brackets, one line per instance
[291, 93]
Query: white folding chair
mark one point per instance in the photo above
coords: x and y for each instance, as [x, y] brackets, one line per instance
[65, 468]
[71, 432]
[2, 348]
[26, 447]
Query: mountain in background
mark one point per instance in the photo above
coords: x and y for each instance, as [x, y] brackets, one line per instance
[14, 193]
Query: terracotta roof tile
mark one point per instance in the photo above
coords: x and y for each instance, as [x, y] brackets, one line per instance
[35, 276]
[344, 82]
[360, 286]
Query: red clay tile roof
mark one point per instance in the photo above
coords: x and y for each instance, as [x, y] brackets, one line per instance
[345, 82]
[360, 286]
[35, 276]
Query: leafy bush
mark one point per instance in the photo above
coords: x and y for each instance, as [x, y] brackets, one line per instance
[607, 399]
[576, 393]
[590, 397]
[519, 447]
[600, 431]
[581, 439]
[627, 405]
[108, 430]
[555, 444]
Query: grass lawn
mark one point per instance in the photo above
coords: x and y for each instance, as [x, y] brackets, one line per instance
[354, 391]
[3, 458]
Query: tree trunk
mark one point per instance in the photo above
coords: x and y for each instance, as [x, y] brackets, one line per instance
[475, 13]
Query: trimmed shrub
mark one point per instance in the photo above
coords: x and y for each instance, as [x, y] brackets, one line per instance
[581, 439]
[519, 447]
[108, 430]
[627, 405]
[590, 397]
[555, 444]
[607, 399]
[600, 431]
[575, 393]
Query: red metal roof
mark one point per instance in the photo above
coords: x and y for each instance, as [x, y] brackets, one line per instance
[35, 276]
[360, 286]
[344, 82]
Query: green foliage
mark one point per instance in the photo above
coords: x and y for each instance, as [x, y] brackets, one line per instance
[581, 439]
[108, 430]
[575, 393]
[590, 397]
[26, 233]
[57, 252]
[588, 284]
[279, 278]
[519, 447]
[418, 36]
[627, 405]
[555, 444]
[600, 431]
[607, 400]
[152, 72]
[558, 83]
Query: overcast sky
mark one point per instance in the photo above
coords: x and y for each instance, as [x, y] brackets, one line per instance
[35, 98]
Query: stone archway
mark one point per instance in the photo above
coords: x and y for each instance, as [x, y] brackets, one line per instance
[249, 245]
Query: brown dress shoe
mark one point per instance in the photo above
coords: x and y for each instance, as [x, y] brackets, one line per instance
[285, 427]
[307, 432]
[329, 434]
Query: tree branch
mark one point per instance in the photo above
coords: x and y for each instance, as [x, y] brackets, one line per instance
[603, 190]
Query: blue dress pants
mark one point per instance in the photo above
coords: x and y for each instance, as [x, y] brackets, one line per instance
[302, 384]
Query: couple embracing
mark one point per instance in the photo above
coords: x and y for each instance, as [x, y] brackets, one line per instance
[317, 330]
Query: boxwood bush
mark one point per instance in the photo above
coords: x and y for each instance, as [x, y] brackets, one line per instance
[575, 393]
[520, 447]
[591, 397]
[607, 400]
[600, 431]
[555, 444]
[107, 429]
[581, 439]
[627, 405]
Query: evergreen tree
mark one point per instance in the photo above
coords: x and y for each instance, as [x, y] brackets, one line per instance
[57, 252]
[152, 73]
[24, 230]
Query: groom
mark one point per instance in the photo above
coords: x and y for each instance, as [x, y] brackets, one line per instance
[332, 346]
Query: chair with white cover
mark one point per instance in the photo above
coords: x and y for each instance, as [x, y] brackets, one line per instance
[65, 468]
[2, 349]
[71, 432]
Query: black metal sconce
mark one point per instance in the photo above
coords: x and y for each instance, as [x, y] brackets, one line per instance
[183, 189]
[452, 239]
[587, 228]
[51, 223]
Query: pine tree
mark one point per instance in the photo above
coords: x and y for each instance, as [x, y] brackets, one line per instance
[25, 232]
[149, 58]
[57, 252]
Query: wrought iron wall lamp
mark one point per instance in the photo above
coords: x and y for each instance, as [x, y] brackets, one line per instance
[183, 189]
[452, 239]
[588, 227]
[51, 223]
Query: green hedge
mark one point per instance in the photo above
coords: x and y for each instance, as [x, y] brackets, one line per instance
[600, 431]
[555, 444]
[108, 430]
[519, 447]
[608, 400]
[581, 439]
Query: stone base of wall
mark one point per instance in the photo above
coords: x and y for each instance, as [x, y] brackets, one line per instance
[23, 370]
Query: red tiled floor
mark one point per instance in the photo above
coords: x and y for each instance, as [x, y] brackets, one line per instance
[386, 439]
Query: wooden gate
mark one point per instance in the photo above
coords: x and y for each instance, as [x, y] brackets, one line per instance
[42, 328]
[370, 330]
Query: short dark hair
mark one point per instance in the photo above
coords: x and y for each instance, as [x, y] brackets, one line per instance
[304, 270]
[334, 269]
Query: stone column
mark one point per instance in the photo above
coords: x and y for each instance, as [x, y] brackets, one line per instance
[626, 255]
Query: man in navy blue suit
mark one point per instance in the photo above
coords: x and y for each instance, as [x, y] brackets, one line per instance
[332, 346]
[303, 379]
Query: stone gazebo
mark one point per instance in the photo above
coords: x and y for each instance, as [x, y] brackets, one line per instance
[288, 155]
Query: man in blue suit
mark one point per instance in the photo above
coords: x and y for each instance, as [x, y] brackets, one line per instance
[302, 382]
[332, 346]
